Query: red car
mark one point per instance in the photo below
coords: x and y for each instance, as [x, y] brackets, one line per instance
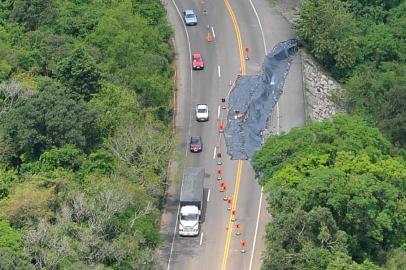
[197, 61]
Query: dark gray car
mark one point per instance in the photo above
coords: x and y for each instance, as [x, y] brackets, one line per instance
[196, 144]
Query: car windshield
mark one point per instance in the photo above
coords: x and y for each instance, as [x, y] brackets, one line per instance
[201, 110]
[190, 217]
[195, 141]
[190, 15]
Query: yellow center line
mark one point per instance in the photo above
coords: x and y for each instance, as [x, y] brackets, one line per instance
[240, 162]
[238, 35]
[230, 223]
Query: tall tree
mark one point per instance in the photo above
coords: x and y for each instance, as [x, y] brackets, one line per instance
[329, 30]
[380, 93]
[34, 13]
[303, 240]
[10, 261]
[80, 73]
[50, 118]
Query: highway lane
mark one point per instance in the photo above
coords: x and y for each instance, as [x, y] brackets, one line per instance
[287, 114]
[208, 87]
[291, 103]
[192, 253]
[218, 247]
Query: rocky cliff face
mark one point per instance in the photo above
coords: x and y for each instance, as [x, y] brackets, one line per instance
[323, 95]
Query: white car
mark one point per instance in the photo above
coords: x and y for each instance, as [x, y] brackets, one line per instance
[202, 112]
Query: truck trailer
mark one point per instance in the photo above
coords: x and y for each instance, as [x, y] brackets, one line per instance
[191, 201]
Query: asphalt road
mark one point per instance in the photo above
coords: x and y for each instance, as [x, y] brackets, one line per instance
[234, 26]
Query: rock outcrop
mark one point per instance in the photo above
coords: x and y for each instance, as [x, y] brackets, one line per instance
[323, 95]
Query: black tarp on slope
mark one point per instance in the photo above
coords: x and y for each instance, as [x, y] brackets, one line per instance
[252, 99]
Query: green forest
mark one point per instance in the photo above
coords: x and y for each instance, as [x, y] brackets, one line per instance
[86, 135]
[336, 189]
[85, 132]
[362, 43]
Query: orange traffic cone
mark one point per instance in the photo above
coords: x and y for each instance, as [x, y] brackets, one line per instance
[243, 246]
[238, 227]
[233, 215]
[209, 37]
[229, 202]
[221, 128]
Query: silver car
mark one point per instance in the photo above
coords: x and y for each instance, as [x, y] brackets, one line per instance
[190, 17]
[202, 112]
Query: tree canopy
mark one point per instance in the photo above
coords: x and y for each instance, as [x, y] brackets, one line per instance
[33, 14]
[336, 194]
[362, 44]
[82, 85]
[49, 118]
[79, 73]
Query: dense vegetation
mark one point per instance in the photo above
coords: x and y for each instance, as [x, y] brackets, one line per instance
[85, 91]
[337, 195]
[363, 44]
[337, 188]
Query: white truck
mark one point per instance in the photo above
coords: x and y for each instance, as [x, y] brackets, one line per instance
[191, 201]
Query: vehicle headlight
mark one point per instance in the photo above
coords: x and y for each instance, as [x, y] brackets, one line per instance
[196, 227]
[181, 227]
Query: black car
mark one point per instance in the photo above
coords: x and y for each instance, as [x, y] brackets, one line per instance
[196, 144]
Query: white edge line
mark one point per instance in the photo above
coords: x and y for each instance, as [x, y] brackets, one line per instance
[201, 238]
[229, 91]
[190, 119]
[208, 195]
[277, 130]
[214, 34]
[263, 39]
[256, 229]
[174, 44]
[190, 64]
[260, 25]
[277, 118]
[218, 111]
[221, 117]
[214, 152]
[218, 70]
[173, 237]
